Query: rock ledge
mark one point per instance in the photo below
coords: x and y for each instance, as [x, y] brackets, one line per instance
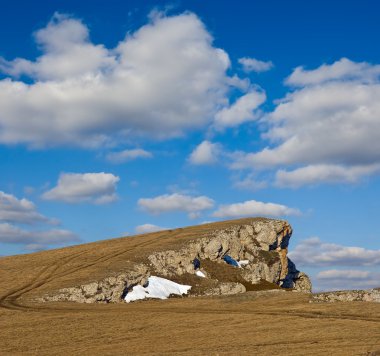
[370, 295]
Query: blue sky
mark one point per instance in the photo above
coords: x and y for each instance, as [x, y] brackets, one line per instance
[122, 117]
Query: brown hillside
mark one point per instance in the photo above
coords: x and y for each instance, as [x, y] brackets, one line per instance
[264, 323]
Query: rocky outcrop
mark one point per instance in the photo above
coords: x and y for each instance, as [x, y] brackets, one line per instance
[263, 243]
[109, 290]
[370, 295]
[296, 279]
[247, 242]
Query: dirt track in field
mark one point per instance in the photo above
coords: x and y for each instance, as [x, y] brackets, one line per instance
[264, 323]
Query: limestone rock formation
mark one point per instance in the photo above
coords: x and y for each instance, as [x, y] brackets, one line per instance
[108, 290]
[263, 242]
[370, 295]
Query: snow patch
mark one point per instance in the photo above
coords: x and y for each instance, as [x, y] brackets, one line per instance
[157, 287]
[200, 274]
[243, 263]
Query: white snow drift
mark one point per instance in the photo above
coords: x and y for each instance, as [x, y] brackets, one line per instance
[200, 274]
[158, 287]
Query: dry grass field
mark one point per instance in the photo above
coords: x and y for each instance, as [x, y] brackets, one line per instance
[254, 323]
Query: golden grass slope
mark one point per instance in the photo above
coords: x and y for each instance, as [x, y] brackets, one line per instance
[264, 323]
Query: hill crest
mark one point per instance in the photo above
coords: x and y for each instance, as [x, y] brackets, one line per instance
[105, 271]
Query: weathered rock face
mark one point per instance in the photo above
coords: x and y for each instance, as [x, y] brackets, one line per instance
[264, 243]
[248, 242]
[370, 295]
[108, 290]
[296, 279]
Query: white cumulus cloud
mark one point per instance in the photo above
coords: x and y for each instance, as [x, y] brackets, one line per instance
[205, 153]
[254, 208]
[255, 65]
[242, 110]
[251, 183]
[347, 279]
[344, 69]
[326, 131]
[67, 52]
[342, 274]
[146, 228]
[98, 188]
[43, 238]
[128, 155]
[17, 210]
[313, 252]
[322, 173]
[176, 202]
[160, 81]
